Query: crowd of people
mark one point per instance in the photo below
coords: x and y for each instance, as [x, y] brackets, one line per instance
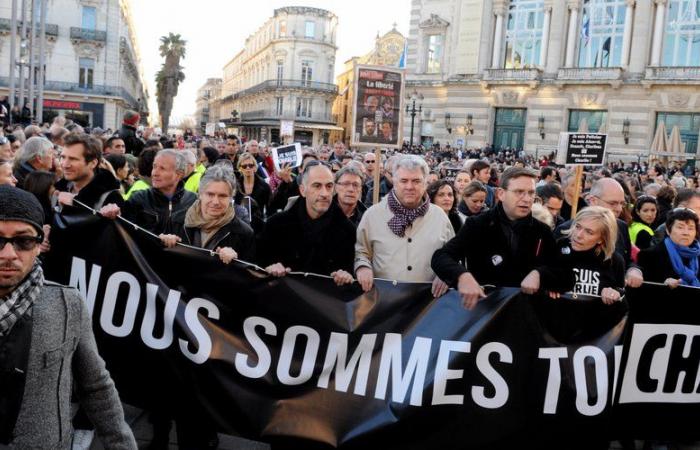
[462, 219]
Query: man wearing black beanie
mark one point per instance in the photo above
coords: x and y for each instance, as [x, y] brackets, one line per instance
[37, 317]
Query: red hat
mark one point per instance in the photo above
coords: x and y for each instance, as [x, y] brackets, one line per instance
[132, 120]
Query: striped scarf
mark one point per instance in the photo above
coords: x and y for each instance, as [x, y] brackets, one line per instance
[18, 302]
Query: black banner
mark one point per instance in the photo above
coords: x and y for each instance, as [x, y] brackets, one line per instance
[298, 356]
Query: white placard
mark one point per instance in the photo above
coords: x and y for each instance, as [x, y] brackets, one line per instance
[287, 154]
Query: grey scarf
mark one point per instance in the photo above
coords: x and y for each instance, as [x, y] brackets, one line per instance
[18, 302]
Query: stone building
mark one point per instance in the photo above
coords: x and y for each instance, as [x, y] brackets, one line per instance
[207, 102]
[515, 73]
[284, 72]
[387, 51]
[93, 68]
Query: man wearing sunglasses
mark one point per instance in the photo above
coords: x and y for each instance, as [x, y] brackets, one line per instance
[46, 344]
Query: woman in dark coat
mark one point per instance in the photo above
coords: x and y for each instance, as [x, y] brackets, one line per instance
[211, 221]
[674, 261]
[253, 192]
[443, 194]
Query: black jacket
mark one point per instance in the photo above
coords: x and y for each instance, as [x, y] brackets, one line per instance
[133, 144]
[236, 234]
[283, 193]
[21, 173]
[384, 187]
[623, 245]
[587, 273]
[360, 209]
[656, 264]
[155, 212]
[496, 250]
[102, 190]
[321, 246]
[260, 206]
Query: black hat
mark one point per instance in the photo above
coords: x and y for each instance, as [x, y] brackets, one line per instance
[22, 206]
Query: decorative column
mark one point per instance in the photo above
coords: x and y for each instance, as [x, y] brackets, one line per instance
[573, 6]
[658, 32]
[499, 9]
[627, 37]
[545, 33]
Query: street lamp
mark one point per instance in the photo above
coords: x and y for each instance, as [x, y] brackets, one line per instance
[415, 96]
[448, 126]
[469, 129]
[626, 131]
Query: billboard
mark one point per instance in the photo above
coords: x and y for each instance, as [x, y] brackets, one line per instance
[377, 119]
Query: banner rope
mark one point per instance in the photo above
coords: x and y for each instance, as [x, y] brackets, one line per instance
[318, 275]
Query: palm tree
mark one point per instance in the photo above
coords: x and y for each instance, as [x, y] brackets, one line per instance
[169, 77]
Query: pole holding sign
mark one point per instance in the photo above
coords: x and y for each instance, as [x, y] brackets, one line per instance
[581, 149]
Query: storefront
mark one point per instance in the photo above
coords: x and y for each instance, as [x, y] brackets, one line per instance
[83, 113]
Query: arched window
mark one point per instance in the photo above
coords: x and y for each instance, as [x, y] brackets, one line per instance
[682, 34]
[524, 33]
[602, 29]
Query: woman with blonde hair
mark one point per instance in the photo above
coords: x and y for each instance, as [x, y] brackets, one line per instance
[586, 256]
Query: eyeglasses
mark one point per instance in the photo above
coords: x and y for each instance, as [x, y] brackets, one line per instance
[21, 243]
[520, 193]
[247, 166]
[350, 184]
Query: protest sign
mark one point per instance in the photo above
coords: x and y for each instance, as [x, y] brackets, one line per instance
[287, 155]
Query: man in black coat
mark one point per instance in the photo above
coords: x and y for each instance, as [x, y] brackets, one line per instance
[502, 246]
[313, 235]
[127, 133]
[162, 208]
[83, 179]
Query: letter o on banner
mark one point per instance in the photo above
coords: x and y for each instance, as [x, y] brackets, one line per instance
[110, 303]
[600, 366]
[307, 366]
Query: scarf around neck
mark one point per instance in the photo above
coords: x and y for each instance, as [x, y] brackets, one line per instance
[677, 253]
[195, 219]
[17, 303]
[404, 217]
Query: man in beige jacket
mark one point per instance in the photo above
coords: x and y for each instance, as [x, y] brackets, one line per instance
[397, 236]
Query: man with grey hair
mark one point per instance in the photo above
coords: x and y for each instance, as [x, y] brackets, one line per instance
[396, 235]
[37, 153]
[348, 190]
[32, 130]
[160, 209]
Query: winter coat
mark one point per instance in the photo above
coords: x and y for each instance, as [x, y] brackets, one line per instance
[321, 246]
[155, 212]
[495, 249]
[623, 246]
[655, 264]
[63, 353]
[134, 145]
[404, 258]
[236, 234]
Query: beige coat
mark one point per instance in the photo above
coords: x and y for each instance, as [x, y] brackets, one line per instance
[400, 258]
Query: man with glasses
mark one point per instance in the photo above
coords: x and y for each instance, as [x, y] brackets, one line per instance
[502, 246]
[36, 318]
[348, 189]
[313, 235]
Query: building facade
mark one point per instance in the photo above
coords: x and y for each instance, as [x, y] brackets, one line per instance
[93, 70]
[285, 72]
[388, 51]
[207, 102]
[515, 73]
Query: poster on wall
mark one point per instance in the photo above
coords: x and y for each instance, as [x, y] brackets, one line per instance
[377, 118]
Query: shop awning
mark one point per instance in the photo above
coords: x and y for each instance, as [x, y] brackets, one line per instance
[314, 126]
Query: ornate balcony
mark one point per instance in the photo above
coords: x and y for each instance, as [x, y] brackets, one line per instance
[530, 76]
[591, 75]
[86, 34]
[6, 25]
[672, 75]
[271, 85]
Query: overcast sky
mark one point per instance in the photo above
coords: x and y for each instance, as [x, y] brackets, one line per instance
[215, 30]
